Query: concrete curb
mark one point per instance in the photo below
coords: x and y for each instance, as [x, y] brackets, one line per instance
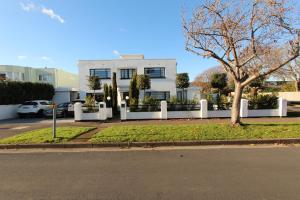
[151, 144]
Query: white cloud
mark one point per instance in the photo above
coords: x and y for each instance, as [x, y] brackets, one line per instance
[22, 57]
[116, 52]
[46, 58]
[27, 6]
[52, 15]
[30, 6]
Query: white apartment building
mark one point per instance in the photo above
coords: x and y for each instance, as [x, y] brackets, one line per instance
[162, 73]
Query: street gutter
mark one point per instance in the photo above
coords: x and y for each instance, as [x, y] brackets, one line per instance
[150, 144]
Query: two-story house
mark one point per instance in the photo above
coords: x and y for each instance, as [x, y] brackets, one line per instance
[162, 73]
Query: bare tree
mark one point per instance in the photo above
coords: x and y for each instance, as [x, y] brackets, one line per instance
[243, 36]
[203, 79]
[290, 72]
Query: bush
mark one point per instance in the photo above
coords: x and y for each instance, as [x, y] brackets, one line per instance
[14, 92]
[149, 101]
[263, 102]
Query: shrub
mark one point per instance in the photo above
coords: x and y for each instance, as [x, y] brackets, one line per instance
[90, 104]
[14, 92]
[149, 101]
[263, 102]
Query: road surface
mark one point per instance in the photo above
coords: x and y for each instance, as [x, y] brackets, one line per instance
[196, 173]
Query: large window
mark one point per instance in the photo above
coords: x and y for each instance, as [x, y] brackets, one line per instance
[159, 95]
[155, 72]
[182, 95]
[127, 73]
[101, 73]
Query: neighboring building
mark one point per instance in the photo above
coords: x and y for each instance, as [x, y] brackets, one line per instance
[162, 73]
[65, 83]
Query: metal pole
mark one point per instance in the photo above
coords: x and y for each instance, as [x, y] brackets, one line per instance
[54, 122]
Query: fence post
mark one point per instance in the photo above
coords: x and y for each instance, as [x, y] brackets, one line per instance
[203, 108]
[163, 110]
[102, 111]
[282, 107]
[77, 111]
[123, 110]
[244, 108]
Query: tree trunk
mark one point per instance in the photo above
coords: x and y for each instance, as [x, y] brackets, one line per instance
[236, 104]
[296, 86]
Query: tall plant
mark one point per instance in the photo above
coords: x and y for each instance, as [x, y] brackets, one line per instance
[114, 94]
[182, 82]
[110, 95]
[105, 88]
[94, 83]
[143, 82]
[133, 91]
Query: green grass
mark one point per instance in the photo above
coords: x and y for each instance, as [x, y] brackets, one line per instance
[150, 133]
[44, 135]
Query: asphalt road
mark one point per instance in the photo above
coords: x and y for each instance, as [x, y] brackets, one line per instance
[221, 173]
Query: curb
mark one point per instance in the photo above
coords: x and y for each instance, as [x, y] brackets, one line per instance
[151, 144]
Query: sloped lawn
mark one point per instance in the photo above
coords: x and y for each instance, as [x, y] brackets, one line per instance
[151, 133]
[63, 134]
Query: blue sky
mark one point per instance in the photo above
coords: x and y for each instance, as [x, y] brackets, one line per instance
[57, 33]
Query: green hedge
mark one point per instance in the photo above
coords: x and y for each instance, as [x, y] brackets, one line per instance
[13, 92]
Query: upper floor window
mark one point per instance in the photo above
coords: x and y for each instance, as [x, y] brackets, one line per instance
[127, 73]
[45, 77]
[101, 73]
[155, 72]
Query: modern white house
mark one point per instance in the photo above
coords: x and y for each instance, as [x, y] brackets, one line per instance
[162, 73]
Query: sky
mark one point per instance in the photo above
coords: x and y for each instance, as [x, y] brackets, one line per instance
[58, 33]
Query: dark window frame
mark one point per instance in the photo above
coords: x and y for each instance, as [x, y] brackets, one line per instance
[92, 73]
[162, 75]
[133, 70]
[166, 94]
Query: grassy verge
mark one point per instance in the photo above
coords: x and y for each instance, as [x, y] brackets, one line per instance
[45, 135]
[150, 133]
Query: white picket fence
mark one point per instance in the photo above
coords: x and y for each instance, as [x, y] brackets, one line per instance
[203, 113]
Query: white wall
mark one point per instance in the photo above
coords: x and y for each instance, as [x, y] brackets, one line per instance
[165, 84]
[290, 96]
[8, 111]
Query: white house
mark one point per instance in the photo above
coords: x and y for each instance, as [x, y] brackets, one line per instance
[162, 73]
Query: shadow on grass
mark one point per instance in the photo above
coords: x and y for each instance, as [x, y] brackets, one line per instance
[270, 124]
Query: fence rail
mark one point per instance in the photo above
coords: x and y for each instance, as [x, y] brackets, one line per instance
[144, 108]
[183, 107]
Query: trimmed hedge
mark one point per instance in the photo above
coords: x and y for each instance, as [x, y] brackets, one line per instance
[14, 92]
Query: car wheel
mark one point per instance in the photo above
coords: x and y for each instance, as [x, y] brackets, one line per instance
[40, 113]
[64, 114]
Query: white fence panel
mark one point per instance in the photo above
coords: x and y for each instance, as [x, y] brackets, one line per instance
[143, 115]
[218, 113]
[8, 111]
[263, 113]
[183, 114]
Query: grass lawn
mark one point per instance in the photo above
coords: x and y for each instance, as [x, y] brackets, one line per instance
[150, 133]
[45, 135]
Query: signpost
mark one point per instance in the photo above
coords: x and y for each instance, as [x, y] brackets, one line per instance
[54, 120]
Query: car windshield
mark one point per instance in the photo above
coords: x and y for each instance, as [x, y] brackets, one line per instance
[62, 105]
[30, 103]
[44, 103]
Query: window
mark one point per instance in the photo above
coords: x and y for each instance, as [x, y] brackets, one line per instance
[127, 73]
[45, 77]
[159, 95]
[182, 95]
[155, 72]
[101, 73]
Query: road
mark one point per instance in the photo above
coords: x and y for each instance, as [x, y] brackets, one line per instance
[197, 173]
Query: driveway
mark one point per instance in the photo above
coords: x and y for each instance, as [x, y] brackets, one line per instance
[15, 126]
[213, 173]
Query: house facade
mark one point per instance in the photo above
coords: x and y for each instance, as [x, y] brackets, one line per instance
[162, 73]
[65, 83]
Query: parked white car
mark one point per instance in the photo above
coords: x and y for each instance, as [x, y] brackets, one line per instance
[35, 107]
